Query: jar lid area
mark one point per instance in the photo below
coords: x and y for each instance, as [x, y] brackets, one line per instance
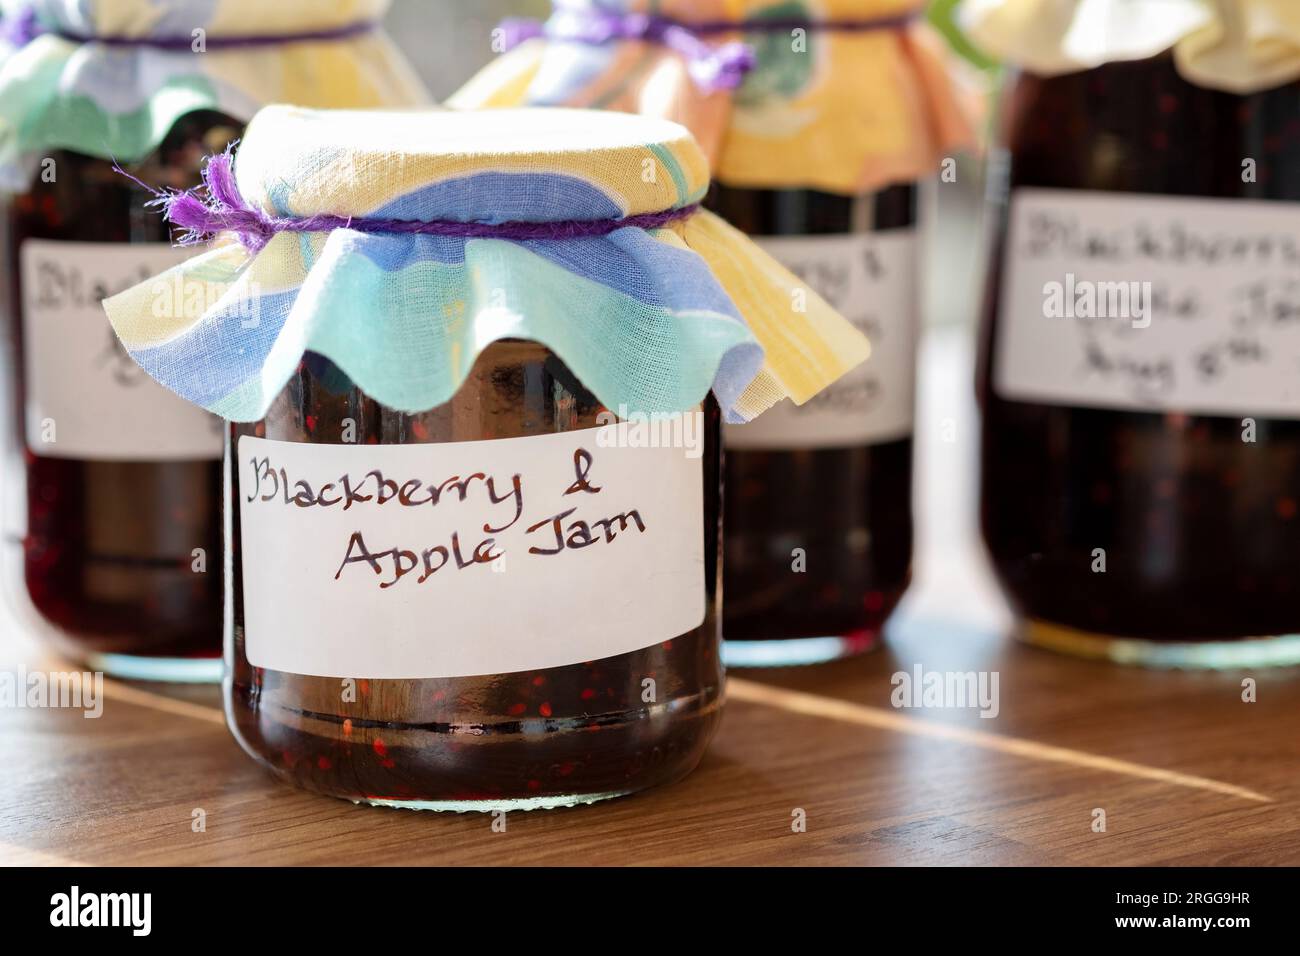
[483, 166]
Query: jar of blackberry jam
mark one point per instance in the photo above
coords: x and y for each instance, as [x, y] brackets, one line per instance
[1141, 435]
[596, 725]
[120, 534]
[473, 529]
[819, 527]
[112, 484]
[819, 119]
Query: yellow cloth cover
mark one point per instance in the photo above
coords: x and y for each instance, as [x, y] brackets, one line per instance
[838, 110]
[1240, 46]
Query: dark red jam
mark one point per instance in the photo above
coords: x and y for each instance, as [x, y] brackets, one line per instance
[112, 546]
[523, 739]
[1199, 528]
[848, 508]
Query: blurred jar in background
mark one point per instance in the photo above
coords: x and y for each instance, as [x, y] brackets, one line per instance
[1141, 435]
[113, 487]
[122, 478]
[818, 118]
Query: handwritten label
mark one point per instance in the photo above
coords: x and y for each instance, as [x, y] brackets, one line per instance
[467, 558]
[1212, 320]
[870, 278]
[85, 396]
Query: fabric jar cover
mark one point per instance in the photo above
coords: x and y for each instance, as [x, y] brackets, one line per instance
[648, 319]
[117, 98]
[854, 110]
[1239, 46]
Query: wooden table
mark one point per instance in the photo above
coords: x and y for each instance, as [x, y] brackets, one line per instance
[1185, 771]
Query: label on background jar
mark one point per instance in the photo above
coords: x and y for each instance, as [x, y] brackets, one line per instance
[870, 279]
[1117, 300]
[468, 558]
[85, 396]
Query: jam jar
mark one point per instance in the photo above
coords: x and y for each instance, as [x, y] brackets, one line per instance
[473, 526]
[1141, 417]
[818, 517]
[558, 730]
[113, 548]
[818, 118]
[113, 483]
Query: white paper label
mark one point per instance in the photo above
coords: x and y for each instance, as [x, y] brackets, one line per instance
[537, 552]
[870, 278]
[85, 397]
[1151, 303]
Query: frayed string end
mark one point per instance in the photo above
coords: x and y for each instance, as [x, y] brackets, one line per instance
[216, 207]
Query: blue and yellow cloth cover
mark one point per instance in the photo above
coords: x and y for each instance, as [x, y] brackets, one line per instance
[156, 60]
[649, 319]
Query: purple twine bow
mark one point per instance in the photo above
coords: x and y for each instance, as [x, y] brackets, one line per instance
[25, 27]
[712, 68]
[225, 210]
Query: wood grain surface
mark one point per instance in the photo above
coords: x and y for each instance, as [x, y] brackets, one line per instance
[1186, 772]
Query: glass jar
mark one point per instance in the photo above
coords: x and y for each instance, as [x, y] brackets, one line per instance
[112, 550]
[1141, 438]
[818, 516]
[423, 721]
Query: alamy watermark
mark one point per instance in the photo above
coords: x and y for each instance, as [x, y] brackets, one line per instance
[947, 689]
[1086, 299]
[177, 296]
[653, 430]
[71, 690]
[74, 908]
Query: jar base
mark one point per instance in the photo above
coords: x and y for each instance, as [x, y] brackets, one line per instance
[797, 651]
[160, 668]
[421, 767]
[1281, 650]
[163, 670]
[550, 802]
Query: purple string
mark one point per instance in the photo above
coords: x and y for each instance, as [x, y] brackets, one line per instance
[21, 29]
[226, 210]
[786, 24]
[25, 27]
[712, 68]
[229, 41]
